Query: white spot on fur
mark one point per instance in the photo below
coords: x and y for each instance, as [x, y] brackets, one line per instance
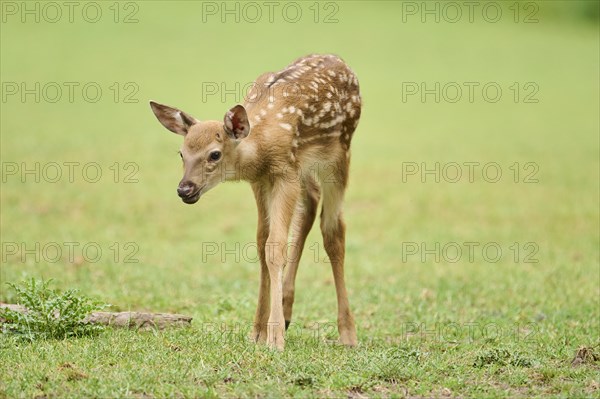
[320, 136]
[333, 122]
[286, 126]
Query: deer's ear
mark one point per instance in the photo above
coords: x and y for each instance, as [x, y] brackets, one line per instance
[236, 122]
[173, 119]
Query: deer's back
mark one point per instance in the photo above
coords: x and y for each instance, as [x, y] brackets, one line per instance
[315, 101]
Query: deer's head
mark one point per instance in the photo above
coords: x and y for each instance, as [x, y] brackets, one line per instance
[207, 146]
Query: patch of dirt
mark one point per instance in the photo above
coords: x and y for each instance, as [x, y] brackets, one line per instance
[304, 381]
[584, 355]
[356, 393]
[71, 372]
[142, 395]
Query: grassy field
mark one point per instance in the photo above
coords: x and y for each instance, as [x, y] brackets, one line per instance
[474, 286]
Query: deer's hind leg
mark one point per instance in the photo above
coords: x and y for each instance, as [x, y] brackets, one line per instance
[334, 230]
[302, 222]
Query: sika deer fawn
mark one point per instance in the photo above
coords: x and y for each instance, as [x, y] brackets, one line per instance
[291, 141]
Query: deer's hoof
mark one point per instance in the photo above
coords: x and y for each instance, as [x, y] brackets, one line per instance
[348, 338]
[276, 342]
[258, 336]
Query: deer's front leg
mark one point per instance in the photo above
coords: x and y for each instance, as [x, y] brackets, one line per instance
[282, 205]
[261, 318]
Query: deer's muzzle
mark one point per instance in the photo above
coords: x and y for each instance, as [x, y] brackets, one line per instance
[188, 192]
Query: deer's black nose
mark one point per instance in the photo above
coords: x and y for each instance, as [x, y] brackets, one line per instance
[185, 189]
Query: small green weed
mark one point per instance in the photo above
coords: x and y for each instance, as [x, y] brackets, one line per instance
[50, 314]
[502, 357]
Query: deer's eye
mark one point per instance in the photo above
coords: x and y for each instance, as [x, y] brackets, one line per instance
[215, 155]
[180, 154]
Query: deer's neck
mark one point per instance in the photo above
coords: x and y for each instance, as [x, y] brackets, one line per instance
[245, 165]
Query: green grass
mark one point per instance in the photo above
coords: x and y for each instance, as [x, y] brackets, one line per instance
[426, 328]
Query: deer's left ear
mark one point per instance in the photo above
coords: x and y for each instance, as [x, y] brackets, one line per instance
[173, 119]
[236, 122]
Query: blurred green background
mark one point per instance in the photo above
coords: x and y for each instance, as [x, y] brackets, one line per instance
[177, 49]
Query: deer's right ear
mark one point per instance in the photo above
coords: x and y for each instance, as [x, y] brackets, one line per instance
[236, 122]
[173, 119]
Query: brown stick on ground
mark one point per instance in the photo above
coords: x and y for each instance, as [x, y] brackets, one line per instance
[133, 320]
